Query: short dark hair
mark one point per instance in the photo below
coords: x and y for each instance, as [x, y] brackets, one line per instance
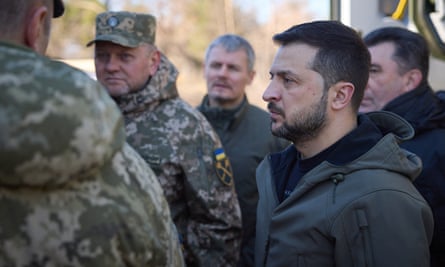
[411, 49]
[341, 55]
[13, 15]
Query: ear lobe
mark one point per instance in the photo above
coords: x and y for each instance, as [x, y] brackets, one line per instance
[35, 28]
[343, 92]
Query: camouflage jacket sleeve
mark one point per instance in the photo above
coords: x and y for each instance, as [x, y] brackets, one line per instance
[186, 154]
[214, 230]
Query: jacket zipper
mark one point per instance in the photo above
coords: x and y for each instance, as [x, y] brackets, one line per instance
[336, 179]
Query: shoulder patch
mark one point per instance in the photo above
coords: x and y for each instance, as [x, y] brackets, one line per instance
[223, 167]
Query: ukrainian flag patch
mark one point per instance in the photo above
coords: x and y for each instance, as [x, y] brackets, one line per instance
[223, 167]
[219, 153]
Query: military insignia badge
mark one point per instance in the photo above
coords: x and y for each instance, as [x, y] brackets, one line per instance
[112, 22]
[223, 167]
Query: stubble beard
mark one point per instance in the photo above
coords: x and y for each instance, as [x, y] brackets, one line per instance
[306, 125]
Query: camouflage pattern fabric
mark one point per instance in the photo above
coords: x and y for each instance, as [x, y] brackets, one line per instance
[186, 154]
[72, 192]
[125, 28]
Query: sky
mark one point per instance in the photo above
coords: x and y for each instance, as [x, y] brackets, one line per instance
[320, 8]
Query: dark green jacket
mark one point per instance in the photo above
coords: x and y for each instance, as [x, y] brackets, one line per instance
[365, 213]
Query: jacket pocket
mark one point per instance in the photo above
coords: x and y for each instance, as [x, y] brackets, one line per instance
[365, 238]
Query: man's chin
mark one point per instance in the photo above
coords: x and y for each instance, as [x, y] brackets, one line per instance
[275, 128]
[117, 91]
[221, 99]
[218, 95]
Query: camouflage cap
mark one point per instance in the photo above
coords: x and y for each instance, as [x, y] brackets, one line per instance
[58, 8]
[125, 28]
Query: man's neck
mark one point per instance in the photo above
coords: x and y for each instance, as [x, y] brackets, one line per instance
[331, 133]
[225, 104]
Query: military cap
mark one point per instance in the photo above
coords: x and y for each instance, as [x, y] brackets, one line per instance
[125, 28]
[58, 8]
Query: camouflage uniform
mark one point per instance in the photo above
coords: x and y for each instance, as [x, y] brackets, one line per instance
[182, 149]
[72, 192]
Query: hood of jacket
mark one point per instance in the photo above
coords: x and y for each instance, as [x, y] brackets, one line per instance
[386, 154]
[421, 107]
[160, 87]
[339, 204]
[56, 123]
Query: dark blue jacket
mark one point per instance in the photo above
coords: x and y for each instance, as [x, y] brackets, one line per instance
[426, 113]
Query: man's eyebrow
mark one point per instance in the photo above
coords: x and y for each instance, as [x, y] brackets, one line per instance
[283, 73]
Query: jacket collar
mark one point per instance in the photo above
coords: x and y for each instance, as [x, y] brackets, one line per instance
[421, 107]
[226, 119]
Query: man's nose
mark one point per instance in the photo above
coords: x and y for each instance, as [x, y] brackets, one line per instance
[222, 71]
[112, 64]
[272, 94]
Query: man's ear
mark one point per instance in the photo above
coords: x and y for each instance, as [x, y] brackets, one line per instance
[341, 94]
[252, 74]
[155, 60]
[412, 79]
[35, 28]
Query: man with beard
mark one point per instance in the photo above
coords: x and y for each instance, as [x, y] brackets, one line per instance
[342, 195]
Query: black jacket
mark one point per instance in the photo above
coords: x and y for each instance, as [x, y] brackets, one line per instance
[426, 113]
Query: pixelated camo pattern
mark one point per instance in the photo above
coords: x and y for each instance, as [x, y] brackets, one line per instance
[125, 28]
[72, 193]
[180, 146]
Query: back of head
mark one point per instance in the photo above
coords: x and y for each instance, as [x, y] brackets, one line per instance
[20, 21]
[341, 56]
[231, 43]
[411, 49]
[12, 17]
[13, 13]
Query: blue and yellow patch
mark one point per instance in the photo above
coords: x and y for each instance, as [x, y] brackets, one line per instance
[223, 167]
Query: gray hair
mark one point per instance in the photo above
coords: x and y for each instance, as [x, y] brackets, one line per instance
[231, 43]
